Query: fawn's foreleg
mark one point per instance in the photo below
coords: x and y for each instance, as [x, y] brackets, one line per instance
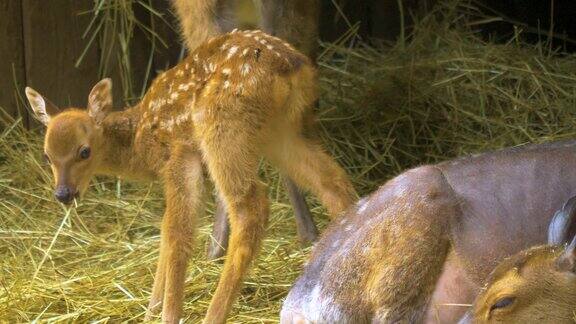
[183, 181]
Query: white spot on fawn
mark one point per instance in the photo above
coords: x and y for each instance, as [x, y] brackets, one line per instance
[226, 71]
[245, 69]
[184, 87]
[181, 119]
[197, 117]
[232, 51]
[226, 84]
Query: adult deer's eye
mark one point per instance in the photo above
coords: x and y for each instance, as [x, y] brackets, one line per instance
[502, 303]
[84, 153]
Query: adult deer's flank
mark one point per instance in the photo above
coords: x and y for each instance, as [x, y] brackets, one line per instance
[236, 98]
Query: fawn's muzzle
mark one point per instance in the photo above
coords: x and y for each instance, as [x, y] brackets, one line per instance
[65, 194]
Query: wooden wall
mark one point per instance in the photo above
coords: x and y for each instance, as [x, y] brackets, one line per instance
[40, 42]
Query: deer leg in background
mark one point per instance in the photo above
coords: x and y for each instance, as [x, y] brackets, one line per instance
[295, 21]
[220, 232]
[226, 15]
[305, 227]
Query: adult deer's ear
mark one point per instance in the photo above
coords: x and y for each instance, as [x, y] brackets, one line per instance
[559, 228]
[100, 100]
[42, 109]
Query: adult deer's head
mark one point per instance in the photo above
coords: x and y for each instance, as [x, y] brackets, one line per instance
[537, 285]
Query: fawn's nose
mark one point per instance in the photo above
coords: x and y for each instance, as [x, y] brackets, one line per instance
[64, 194]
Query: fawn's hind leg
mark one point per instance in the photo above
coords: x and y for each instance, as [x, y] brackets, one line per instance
[232, 160]
[313, 169]
[183, 181]
[305, 227]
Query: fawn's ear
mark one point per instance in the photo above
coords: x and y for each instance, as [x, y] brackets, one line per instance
[100, 100]
[560, 225]
[43, 110]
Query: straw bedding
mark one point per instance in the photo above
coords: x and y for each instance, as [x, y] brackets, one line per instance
[436, 94]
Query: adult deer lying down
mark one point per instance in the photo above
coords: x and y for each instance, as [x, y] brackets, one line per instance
[537, 285]
[429, 238]
[236, 98]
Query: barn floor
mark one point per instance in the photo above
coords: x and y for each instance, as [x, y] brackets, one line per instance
[442, 93]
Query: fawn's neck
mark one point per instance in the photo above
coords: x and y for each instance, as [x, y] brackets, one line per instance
[118, 155]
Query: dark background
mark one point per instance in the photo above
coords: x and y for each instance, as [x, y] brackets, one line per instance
[42, 41]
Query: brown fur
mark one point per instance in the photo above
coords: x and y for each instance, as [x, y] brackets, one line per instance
[295, 21]
[236, 98]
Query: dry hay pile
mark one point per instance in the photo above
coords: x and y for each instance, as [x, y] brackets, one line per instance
[441, 93]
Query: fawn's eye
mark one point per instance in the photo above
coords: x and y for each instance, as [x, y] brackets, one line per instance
[502, 303]
[85, 153]
[46, 158]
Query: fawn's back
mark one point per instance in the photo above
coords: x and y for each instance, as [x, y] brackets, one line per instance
[242, 77]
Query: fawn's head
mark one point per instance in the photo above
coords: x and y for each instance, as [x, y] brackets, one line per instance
[537, 284]
[73, 138]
